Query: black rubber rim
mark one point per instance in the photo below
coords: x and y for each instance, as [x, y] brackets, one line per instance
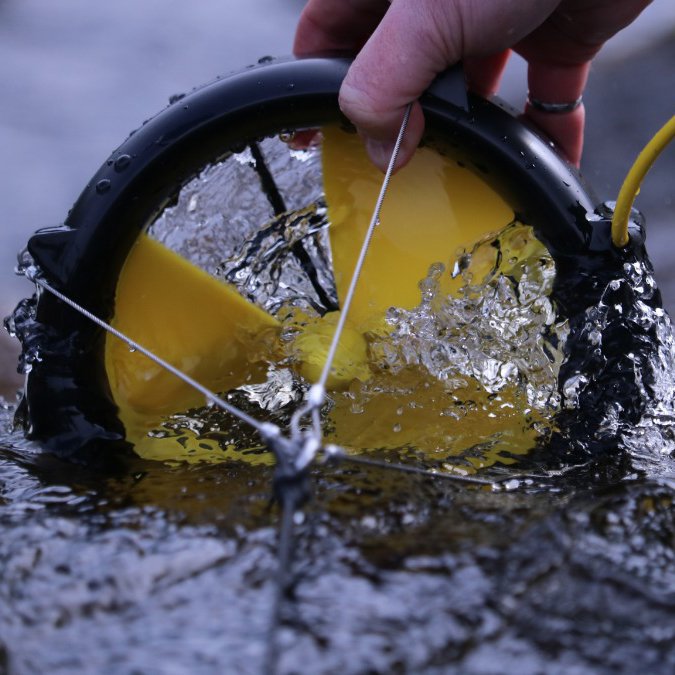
[69, 406]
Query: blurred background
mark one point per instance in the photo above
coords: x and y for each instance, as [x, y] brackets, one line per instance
[76, 77]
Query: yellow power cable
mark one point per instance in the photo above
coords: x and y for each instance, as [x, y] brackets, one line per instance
[631, 185]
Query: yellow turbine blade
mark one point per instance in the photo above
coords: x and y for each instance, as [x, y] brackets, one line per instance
[433, 208]
[195, 322]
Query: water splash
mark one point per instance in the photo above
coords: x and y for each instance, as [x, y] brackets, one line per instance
[629, 348]
[222, 208]
[287, 263]
[500, 330]
[22, 325]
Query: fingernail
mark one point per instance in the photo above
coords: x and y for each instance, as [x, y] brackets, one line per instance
[379, 152]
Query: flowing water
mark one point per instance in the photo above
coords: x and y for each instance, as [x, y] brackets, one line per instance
[564, 565]
[172, 569]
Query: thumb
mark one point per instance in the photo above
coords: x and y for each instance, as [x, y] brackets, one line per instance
[399, 61]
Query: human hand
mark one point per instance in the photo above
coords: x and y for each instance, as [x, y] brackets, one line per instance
[402, 47]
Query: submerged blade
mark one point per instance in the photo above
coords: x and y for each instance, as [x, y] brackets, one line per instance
[195, 322]
[433, 208]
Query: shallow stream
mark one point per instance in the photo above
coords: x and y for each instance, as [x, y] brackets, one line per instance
[172, 569]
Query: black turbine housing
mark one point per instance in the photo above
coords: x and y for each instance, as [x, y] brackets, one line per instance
[67, 405]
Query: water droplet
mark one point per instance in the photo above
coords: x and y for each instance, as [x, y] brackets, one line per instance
[265, 59]
[103, 186]
[122, 162]
[396, 428]
[369, 521]
[175, 98]
[132, 349]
